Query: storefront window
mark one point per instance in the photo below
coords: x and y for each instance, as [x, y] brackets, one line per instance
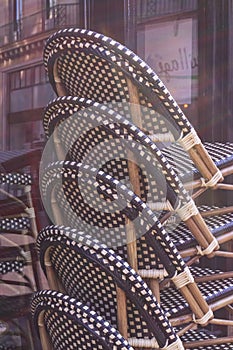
[167, 41]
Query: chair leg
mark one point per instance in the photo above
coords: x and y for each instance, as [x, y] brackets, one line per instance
[122, 312]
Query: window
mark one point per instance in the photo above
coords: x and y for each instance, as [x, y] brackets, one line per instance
[29, 93]
[167, 41]
[17, 15]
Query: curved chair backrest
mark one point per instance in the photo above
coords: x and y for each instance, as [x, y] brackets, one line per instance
[94, 66]
[88, 64]
[93, 273]
[66, 323]
[100, 205]
[100, 136]
[94, 200]
[84, 124]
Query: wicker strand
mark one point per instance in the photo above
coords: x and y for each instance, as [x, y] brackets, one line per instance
[158, 206]
[27, 189]
[183, 278]
[153, 273]
[177, 345]
[190, 140]
[208, 250]
[187, 211]
[166, 137]
[30, 212]
[170, 207]
[144, 343]
[213, 181]
[204, 319]
[26, 255]
[152, 344]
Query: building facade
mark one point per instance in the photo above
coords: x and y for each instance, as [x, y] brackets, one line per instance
[25, 25]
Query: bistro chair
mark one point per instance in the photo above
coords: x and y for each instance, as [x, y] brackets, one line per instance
[96, 203]
[90, 132]
[17, 259]
[92, 273]
[17, 212]
[113, 275]
[87, 64]
[65, 323]
[18, 228]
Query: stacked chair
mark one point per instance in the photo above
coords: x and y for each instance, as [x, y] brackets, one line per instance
[19, 268]
[128, 242]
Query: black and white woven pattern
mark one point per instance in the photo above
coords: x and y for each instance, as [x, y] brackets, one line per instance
[73, 325]
[94, 66]
[89, 271]
[15, 224]
[16, 179]
[221, 153]
[182, 237]
[11, 266]
[86, 124]
[104, 216]
[174, 303]
[97, 134]
[202, 334]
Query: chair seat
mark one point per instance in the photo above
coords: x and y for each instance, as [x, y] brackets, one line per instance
[86, 281]
[88, 64]
[175, 305]
[72, 325]
[203, 334]
[221, 153]
[182, 237]
[11, 266]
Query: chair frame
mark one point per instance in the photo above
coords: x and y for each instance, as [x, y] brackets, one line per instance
[83, 315]
[183, 280]
[60, 110]
[92, 250]
[129, 283]
[138, 76]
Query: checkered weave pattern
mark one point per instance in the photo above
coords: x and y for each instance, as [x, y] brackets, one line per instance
[82, 188]
[221, 153]
[73, 325]
[16, 178]
[182, 237]
[175, 305]
[92, 131]
[15, 224]
[94, 66]
[11, 266]
[89, 272]
[202, 334]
